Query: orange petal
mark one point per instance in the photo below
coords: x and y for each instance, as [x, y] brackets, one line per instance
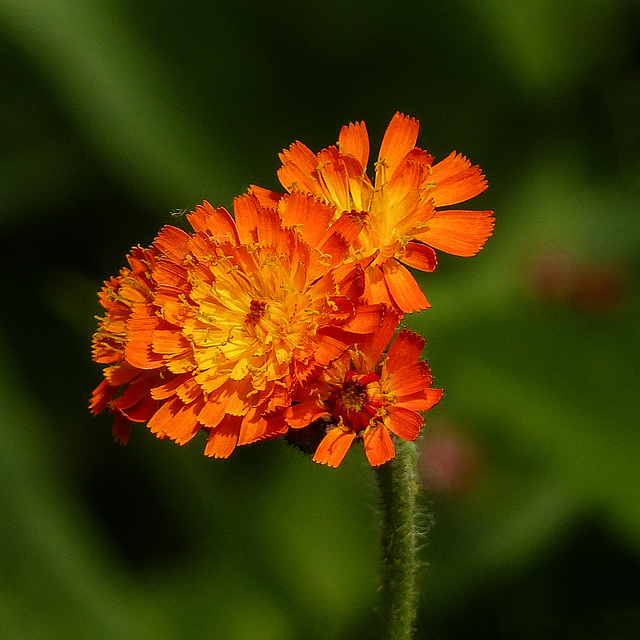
[360, 188]
[331, 344]
[422, 401]
[299, 261]
[455, 180]
[163, 415]
[351, 280]
[258, 224]
[334, 447]
[399, 138]
[245, 209]
[419, 256]
[118, 375]
[354, 140]
[400, 197]
[223, 438]
[174, 307]
[121, 428]
[176, 421]
[141, 260]
[332, 175]
[142, 411]
[368, 318]
[406, 348]
[303, 414]
[409, 380]
[253, 426]
[378, 445]
[336, 309]
[173, 242]
[269, 229]
[131, 395]
[238, 404]
[100, 397]
[376, 290]
[266, 197]
[189, 390]
[170, 274]
[171, 343]
[305, 211]
[138, 351]
[405, 423]
[213, 411]
[104, 352]
[376, 342]
[405, 291]
[298, 171]
[185, 425]
[276, 427]
[462, 233]
[133, 291]
[348, 226]
[333, 248]
[217, 223]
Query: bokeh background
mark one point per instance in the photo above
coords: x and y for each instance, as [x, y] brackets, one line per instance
[113, 114]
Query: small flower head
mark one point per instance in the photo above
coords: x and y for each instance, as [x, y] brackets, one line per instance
[212, 330]
[403, 215]
[368, 396]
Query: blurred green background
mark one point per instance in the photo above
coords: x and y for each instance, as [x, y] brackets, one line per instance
[113, 114]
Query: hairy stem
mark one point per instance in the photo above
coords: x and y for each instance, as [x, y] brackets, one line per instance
[398, 483]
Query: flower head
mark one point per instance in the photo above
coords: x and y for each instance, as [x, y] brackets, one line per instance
[280, 319]
[367, 395]
[402, 216]
[212, 330]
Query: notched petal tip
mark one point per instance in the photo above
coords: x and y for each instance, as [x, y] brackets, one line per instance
[354, 140]
[403, 288]
[405, 349]
[334, 447]
[223, 439]
[399, 139]
[458, 232]
[455, 180]
[378, 445]
[405, 423]
[216, 223]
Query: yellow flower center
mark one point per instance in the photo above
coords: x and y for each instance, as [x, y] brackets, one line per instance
[353, 396]
[356, 401]
[248, 319]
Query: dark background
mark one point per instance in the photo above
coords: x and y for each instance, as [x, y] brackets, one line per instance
[113, 114]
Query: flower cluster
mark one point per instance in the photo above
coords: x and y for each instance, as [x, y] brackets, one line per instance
[280, 319]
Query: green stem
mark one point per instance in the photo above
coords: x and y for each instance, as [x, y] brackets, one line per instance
[399, 487]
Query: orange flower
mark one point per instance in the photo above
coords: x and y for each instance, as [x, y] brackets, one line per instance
[365, 395]
[221, 324]
[401, 216]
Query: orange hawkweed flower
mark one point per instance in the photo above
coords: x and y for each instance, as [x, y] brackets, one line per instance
[221, 325]
[367, 395]
[403, 215]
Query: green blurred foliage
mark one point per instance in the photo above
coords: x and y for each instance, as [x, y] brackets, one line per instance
[115, 113]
